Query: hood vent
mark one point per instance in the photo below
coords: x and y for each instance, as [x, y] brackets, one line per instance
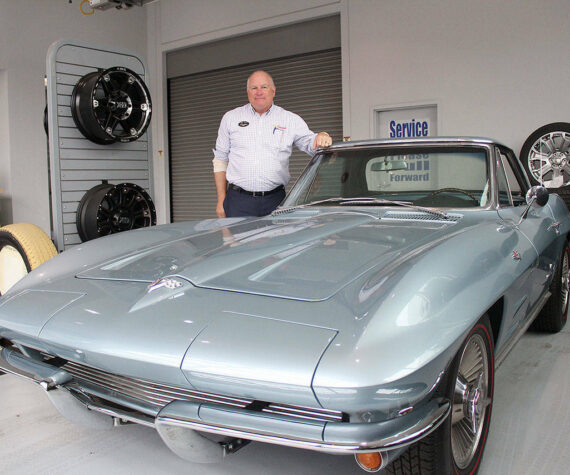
[421, 216]
[300, 212]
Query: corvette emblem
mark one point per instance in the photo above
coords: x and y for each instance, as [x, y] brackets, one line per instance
[516, 256]
[166, 282]
[243, 123]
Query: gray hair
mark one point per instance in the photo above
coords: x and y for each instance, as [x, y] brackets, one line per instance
[271, 83]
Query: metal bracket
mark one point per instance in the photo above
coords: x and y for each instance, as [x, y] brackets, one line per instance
[233, 445]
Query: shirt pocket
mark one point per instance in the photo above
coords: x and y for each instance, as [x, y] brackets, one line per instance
[279, 140]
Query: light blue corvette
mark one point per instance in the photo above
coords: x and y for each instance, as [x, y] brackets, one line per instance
[365, 316]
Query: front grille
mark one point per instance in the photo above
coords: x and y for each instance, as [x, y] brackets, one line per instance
[159, 395]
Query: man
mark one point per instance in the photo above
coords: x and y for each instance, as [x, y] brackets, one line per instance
[251, 158]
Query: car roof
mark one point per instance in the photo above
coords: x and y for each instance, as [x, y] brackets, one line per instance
[416, 141]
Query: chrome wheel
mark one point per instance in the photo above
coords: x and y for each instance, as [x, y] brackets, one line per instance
[470, 401]
[546, 155]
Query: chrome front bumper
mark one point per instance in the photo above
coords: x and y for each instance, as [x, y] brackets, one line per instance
[76, 404]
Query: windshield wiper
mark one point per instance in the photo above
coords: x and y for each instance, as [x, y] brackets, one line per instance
[336, 199]
[378, 201]
[406, 204]
[366, 200]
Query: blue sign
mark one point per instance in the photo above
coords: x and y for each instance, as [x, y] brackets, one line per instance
[409, 128]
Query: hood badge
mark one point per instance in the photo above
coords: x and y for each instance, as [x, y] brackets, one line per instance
[516, 255]
[166, 282]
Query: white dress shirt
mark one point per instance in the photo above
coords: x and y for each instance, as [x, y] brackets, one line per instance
[257, 147]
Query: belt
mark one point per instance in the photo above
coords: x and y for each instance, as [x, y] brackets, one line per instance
[231, 186]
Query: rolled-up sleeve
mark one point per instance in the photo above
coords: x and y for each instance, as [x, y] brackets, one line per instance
[223, 141]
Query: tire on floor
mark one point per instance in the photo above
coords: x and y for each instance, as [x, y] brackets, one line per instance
[23, 247]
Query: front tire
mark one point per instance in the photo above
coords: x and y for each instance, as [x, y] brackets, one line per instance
[23, 247]
[456, 447]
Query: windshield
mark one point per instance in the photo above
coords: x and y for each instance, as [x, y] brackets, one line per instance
[446, 177]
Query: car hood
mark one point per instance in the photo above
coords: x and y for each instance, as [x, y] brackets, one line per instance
[304, 255]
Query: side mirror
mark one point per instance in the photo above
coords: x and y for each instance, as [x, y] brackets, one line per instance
[537, 196]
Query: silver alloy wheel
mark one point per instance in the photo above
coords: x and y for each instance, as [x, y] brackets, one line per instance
[549, 158]
[470, 401]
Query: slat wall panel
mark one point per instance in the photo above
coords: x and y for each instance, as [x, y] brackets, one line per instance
[77, 164]
[309, 85]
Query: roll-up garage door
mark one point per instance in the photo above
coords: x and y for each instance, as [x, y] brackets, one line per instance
[308, 84]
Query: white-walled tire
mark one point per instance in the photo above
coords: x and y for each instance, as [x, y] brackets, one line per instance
[23, 247]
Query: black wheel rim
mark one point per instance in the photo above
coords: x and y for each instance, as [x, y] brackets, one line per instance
[108, 209]
[111, 106]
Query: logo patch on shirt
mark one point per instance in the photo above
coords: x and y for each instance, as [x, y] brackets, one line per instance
[280, 128]
[243, 123]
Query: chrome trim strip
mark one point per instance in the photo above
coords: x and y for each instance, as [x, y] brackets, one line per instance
[156, 394]
[304, 412]
[120, 415]
[267, 438]
[403, 431]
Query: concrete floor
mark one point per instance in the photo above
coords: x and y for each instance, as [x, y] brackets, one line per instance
[529, 430]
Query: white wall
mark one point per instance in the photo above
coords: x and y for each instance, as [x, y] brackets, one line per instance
[5, 200]
[495, 68]
[27, 28]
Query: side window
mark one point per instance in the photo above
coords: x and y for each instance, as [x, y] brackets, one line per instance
[516, 190]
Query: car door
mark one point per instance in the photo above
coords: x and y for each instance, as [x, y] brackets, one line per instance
[536, 229]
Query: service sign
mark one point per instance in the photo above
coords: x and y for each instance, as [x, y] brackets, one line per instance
[408, 122]
[409, 128]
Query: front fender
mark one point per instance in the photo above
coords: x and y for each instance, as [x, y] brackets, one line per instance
[413, 317]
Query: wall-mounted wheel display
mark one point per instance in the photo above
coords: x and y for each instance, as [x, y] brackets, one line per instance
[546, 155]
[107, 209]
[111, 106]
[23, 247]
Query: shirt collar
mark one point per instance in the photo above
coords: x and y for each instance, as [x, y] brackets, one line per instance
[267, 112]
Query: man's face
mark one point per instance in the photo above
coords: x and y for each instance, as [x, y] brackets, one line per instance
[260, 92]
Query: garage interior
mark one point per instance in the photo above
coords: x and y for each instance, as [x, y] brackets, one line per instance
[487, 68]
